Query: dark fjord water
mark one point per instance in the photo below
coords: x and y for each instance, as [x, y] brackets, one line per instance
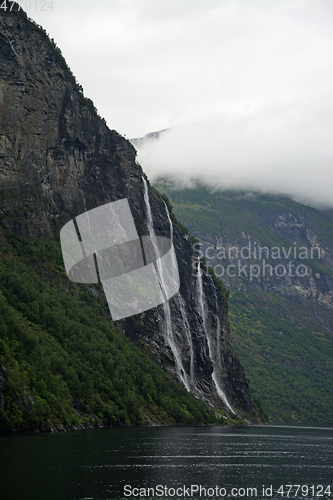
[99, 463]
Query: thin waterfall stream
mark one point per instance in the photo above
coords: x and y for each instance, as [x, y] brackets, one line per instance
[182, 309]
[214, 356]
[86, 211]
[168, 333]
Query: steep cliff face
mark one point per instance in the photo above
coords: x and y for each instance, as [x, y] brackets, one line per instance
[304, 257]
[58, 159]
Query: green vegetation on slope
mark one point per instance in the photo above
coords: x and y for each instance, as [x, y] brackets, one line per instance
[286, 353]
[211, 212]
[289, 364]
[57, 342]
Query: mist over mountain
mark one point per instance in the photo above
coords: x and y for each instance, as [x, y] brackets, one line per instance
[287, 155]
[245, 88]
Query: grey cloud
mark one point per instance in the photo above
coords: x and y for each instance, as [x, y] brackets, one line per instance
[245, 86]
[284, 151]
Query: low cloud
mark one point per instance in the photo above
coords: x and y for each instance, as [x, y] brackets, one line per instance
[244, 87]
[283, 148]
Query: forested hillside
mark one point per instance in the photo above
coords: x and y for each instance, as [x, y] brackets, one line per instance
[281, 326]
[66, 364]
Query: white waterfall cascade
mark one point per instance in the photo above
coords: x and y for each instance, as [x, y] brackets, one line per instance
[84, 202]
[85, 207]
[168, 334]
[182, 309]
[187, 330]
[214, 355]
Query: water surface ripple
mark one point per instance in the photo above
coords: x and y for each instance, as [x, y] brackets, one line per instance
[97, 463]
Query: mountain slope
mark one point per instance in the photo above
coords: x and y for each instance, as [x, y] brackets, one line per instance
[58, 159]
[281, 322]
[62, 368]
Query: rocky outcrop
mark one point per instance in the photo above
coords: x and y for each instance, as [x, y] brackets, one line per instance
[58, 159]
[299, 270]
[295, 276]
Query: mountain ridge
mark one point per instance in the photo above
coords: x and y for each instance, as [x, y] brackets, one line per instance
[58, 160]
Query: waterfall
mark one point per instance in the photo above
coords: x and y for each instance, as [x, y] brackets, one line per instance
[170, 221]
[168, 334]
[84, 202]
[182, 309]
[188, 335]
[85, 207]
[214, 355]
[148, 208]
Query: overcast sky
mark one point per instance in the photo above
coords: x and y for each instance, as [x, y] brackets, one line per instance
[245, 85]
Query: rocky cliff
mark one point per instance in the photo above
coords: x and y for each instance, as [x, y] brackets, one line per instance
[57, 160]
[300, 250]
